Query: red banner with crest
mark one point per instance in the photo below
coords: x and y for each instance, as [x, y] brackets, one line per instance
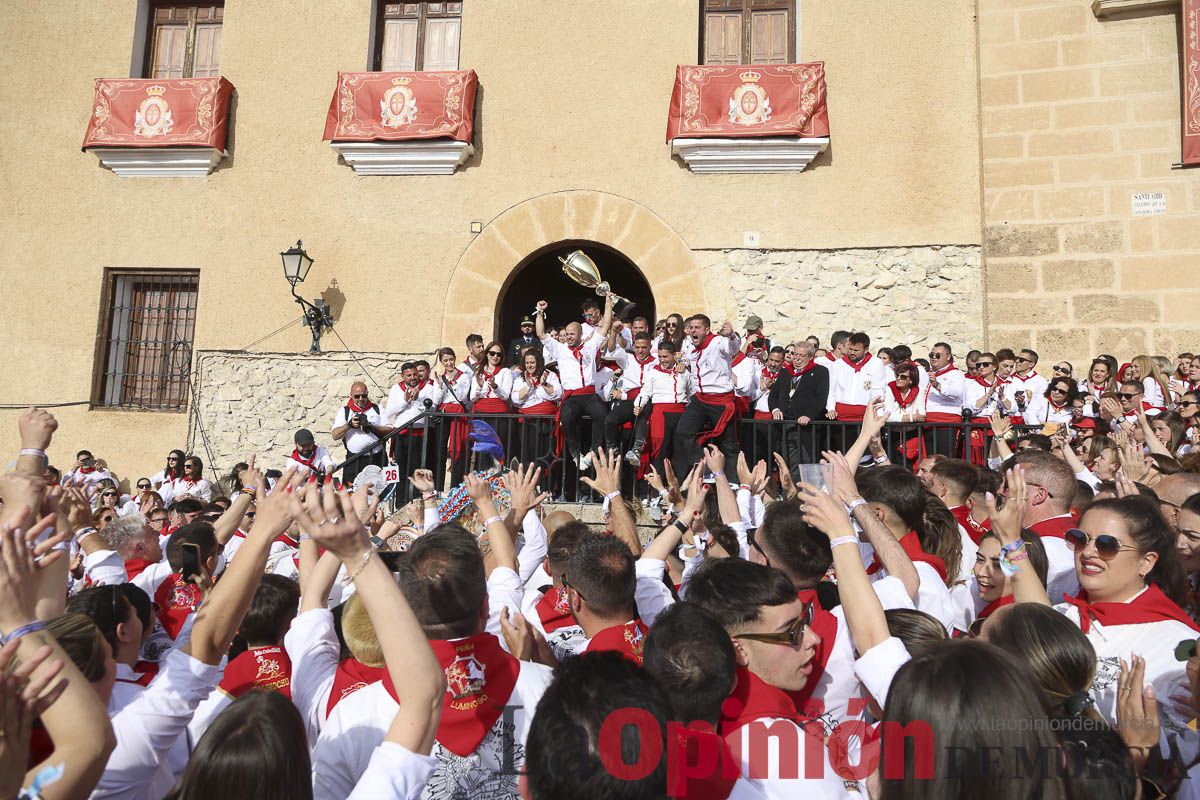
[392, 106]
[143, 112]
[736, 100]
[1191, 82]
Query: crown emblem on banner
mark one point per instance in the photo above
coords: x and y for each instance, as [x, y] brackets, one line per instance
[401, 81]
[750, 77]
[156, 90]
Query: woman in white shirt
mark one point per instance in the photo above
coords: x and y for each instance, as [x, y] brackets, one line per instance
[192, 481]
[452, 433]
[1057, 405]
[1155, 391]
[1099, 381]
[536, 392]
[491, 390]
[163, 479]
[903, 402]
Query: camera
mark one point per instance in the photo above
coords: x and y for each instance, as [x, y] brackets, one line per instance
[360, 421]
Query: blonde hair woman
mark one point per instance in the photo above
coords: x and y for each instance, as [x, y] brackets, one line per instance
[1156, 392]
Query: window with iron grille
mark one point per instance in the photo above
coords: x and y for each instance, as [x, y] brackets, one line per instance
[146, 339]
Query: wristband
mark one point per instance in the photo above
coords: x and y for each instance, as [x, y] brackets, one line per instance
[681, 525]
[842, 540]
[24, 630]
[1013, 551]
[304, 537]
[429, 495]
[855, 503]
[664, 493]
[250, 490]
[490, 520]
[366, 560]
[33, 451]
[882, 460]
[83, 533]
[611, 496]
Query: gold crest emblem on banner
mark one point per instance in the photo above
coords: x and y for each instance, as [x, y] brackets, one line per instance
[399, 105]
[749, 104]
[153, 116]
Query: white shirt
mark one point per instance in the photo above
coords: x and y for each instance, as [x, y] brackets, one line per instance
[454, 386]
[125, 690]
[200, 489]
[1041, 411]
[896, 412]
[1060, 577]
[394, 773]
[762, 395]
[86, 478]
[745, 378]
[1152, 395]
[312, 646]
[855, 385]
[710, 365]
[949, 398]
[359, 441]
[481, 388]
[548, 390]
[359, 723]
[149, 726]
[633, 372]
[400, 410]
[975, 389]
[576, 370]
[321, 459]
[1033, 385]
[664, 386]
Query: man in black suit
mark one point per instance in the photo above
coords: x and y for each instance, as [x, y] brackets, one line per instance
[526, 339]
[799, 395]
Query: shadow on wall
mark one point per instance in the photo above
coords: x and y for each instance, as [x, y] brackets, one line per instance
[335, 299]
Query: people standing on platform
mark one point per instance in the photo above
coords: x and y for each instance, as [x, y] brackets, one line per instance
[944, 401]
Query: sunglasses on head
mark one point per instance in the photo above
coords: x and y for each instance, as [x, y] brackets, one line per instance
[1127, 395]
[1107, 547]
[790, 636]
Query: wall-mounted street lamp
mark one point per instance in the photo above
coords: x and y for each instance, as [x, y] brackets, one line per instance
[296, 265]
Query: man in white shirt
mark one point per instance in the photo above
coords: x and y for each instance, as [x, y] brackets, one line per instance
[856, 380]
[944, 401]
[634, 367]
[86, 473]
[576, 359]
[359, 426]
[309, 455]
[659, 406]
[1052, 487]
[711, 410]
[1025, 385]
[408, 400]
[474, 353]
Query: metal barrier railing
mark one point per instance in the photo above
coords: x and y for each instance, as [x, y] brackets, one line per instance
[440, 442]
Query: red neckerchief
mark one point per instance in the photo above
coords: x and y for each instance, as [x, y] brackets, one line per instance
[86, 470]
[350, 676]
[308, 462]
[627, 639]
[906, 399]
[796, 374]
[979, 379]
[739, 358]
[767, 373]
[480, 679]
[286, 539]
[825, 625]
[356, 408]
[990, 608]
[1056, 408]
[912, 545]
[753, 698]
[1022, 379]
[948, 368]
[174, 601]
[707, 340]
[1055, 526]
[554, 611]
[1149, 606]
[258, 668]
[973, 528]
[695, 747]
[136, 566]
[169, 475]
[832, 358]
[857, 367]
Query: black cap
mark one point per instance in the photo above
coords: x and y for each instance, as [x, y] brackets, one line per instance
[304, 437]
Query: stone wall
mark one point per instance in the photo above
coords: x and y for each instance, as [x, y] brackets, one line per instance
[1079, 115]
[255, 402]
[914, 295]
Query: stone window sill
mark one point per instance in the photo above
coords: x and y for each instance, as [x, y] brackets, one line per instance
[433, 157]
[767, 154]
[159, 162]
[1115, 8]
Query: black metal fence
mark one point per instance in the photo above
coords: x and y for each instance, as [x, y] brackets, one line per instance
[442, 442]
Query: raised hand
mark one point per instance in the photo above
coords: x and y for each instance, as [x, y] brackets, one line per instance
[328, 516]
[786, 484]
[542, 305]
[824, 512]
[697, 490]
[758, 478]
[1001, 424]
[608, 472]
[522, 484]
[744, 475]
[1006, 522]
[36, 427]
[841, 479]
[714, 459]
[422, 480]
[1137, 710]
[654, 479]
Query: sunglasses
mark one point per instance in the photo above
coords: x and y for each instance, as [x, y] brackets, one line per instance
[1023, 358]
[172, 458]
[1127, 395]
[157, 520]
[359, 396]
[1183, 403]
[1061, 369]
[250, 514]
[189, 466]
[936, 355]
[985, 364]
[1107, 547]
[109, 494]
[143, 486]
[791, 636]
[495, 353]
[1058, 390]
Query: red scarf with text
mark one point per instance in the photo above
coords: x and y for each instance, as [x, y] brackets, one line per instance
[554, 611]
[351, 675]
[627, 639]
[174, 601]
[1149, 606]
[480, 679]
[258, 668]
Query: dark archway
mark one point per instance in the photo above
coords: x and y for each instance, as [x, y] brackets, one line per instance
[540, 277]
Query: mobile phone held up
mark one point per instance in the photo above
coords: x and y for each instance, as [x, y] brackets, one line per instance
[191, 562]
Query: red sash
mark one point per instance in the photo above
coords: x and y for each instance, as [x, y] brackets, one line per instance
[973, 528]
[850, 411]
[1055, 526]
[699, 748]
[491, 405]
[258, 668]
[1149, 606]
[658, 424]
[458, 429]
[912, 546]
[626, 639]
[351, 675]
[763, 415]
[726, 402]
[173, 601]
[136, 566]
[480, 679]
[741, 405]
[943, 417]
[825, 625]
[553, 610]
[753, 698]
[546, 408]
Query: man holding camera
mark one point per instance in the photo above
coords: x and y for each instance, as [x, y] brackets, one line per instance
[359, 426]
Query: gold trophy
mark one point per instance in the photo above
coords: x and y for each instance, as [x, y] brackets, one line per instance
[583, 271]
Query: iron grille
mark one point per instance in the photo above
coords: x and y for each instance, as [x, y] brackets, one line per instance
[148, 330]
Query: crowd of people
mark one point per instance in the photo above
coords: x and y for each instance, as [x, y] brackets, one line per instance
[985, 587]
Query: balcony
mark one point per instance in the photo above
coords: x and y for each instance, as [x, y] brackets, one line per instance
[748, 118]
[403, 123]
[146, 128]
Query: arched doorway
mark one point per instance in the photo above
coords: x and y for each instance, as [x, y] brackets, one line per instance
[540, 277]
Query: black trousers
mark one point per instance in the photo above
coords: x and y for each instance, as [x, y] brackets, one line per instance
[407, 453]
[696, 419]
[620, 413]
[575, 407]
[537, 441]
[359, 462]
[667, 447]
